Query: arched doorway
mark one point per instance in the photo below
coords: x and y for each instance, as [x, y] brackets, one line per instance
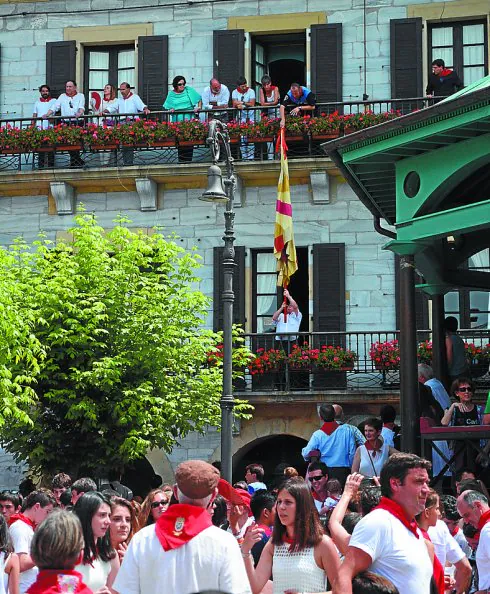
[270, 451]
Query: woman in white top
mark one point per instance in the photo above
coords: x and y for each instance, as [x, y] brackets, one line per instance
[9, 562]
[100, 562]
[370, 457]
[299, 555]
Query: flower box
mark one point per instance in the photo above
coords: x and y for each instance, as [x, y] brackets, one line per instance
[260, 139]
[325, 136]
[104, 147]
[68, 147]
[163, 143]
[191, 142]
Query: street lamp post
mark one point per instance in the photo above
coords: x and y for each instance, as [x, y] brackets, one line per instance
[217, 136]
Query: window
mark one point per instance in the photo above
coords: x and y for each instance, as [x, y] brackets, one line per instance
[265, 293]
[471, 308]
[463, 47]
[109, 64]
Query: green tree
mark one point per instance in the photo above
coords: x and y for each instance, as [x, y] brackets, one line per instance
[105, 353]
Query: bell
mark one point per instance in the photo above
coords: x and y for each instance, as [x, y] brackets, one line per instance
[215, 191]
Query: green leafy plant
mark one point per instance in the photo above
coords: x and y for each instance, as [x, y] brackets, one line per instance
[191, 130]
[385, 355]
[325, 124]
[266, 360]
[366, 119]
[333, 358]
[62, 134]
[477, 354]
[424, 352]
[300, 356]
[103, 354]
[296, 125]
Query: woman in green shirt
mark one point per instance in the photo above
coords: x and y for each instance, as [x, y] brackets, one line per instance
[182, 98]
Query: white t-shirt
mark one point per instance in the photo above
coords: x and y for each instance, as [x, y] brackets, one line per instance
[132, 104]
[41, 108]
[396, 553]
[245, 114]
[221, 99]
[291, 325]
[22, 535]
[483, 558]
[210, 561]
[69, 105]
[445, 546]
[460, 538]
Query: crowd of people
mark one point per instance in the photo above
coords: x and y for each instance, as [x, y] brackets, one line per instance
[378, 529]
[183, 102]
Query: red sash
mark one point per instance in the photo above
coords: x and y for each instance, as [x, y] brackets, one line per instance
[180, 523]
[22, 518]
[329, 427]
[445, 72]
[437, 568]
[396, 510]
[58, 581]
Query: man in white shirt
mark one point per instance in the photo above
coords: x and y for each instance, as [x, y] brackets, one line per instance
[71, 105]
[387, 541]
[214, 97]
[37, 505]
[41, 108]
[474, 509]
[129, 103]
[183, 552]
[242, 98]
[290, 324]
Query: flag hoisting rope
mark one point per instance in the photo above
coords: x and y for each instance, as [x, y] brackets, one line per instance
[284, 248]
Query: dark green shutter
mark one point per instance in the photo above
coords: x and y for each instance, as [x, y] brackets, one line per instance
[406, 58]
[60, 65]
[421, 300]
[153, 70]
[329, 287]
[326, 62]
[238, 287]
[229, 56]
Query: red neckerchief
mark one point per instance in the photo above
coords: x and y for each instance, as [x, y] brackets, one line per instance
[57, 581]
[44, 100]
[130, 95]
[316, 496]
[245, 91]
[22, 518]
[370, 448]
[454, 532]
[437, 568]
[329, 427]
[484, 519]
[396, 510]
[445, 72]
[180, 523]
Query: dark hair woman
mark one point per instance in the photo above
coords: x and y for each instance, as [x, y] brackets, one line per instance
[100, 562]
[123, 525]
[299, 555]
[370, 457]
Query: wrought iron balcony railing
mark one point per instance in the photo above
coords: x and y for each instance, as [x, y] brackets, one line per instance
[296, 364]
[94, 141]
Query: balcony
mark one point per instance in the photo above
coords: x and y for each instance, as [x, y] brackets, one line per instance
[373, 375]
[118, 142]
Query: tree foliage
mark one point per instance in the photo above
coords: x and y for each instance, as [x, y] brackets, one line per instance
[104, 352]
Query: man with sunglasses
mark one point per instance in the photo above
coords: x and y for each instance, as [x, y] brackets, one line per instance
[318, 477]
[71, 105]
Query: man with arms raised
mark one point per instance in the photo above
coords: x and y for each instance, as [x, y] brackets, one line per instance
[387, 541]
[474, 509]
[183, 552]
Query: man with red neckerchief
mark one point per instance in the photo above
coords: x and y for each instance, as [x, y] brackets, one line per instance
[183, 552]
[474, 509]
[388, 541]
[318, 478]
[36, 507]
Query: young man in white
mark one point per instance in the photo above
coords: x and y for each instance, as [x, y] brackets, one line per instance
[183, 552]
[215, 96]
[129, 103]
[474, 509]
[37, 505]
[242, 98]
[41, 108]
[387, 541]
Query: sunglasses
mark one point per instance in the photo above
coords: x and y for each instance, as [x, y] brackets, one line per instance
[316, 478]
[464, 389]
[181, 84]
[156, 504]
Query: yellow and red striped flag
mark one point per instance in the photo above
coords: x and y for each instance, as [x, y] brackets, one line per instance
[284, 248]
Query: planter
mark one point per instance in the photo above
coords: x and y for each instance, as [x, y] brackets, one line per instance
[324, 378]
[325, 136]
[337, 370]
[68, 147]
[234, 140]
[349, 130]
[381, 367]
[166, 142]
[191, 142]
[104, 147]
[259, 139]
[7, 151]
[295, 138]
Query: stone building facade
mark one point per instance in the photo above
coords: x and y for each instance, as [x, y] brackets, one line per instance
[339, 48]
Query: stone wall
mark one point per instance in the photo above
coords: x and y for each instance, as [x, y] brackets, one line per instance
[11, 473]
[25, 27]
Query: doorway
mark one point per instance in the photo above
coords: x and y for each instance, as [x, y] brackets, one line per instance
[270, 452]
[282, 56]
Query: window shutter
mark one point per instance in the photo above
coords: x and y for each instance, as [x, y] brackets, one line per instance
[60, 65]
[421, 300]
[238, 287]
[329, 287]
[229, 56]
[406, 58]
[326, 62]
[153, 70]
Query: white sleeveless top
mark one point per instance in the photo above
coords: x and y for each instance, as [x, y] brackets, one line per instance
[296, 571]
[95, 574]
[4, 578]
[366, 468]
